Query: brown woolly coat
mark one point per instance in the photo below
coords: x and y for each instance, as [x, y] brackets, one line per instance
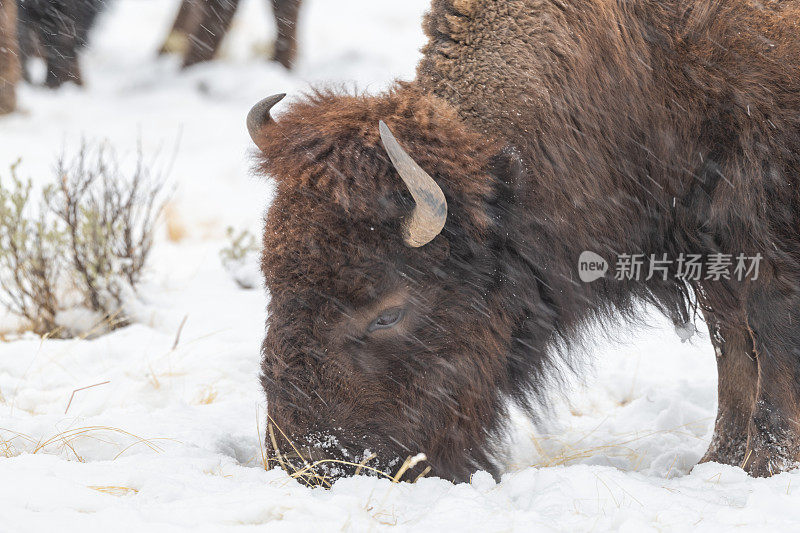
[553, 127]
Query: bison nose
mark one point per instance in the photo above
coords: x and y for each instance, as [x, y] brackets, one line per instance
[300, 457]
[312, 454]
[309, 466]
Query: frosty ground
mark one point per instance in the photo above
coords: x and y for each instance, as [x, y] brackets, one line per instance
[171, 441]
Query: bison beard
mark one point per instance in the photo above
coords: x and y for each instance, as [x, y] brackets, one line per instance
[551, 128]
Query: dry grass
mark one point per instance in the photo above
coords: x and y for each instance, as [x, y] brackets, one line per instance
[65, 442]
[7, 449]
[153, 378]
[176, 228]
[561, 454]
[568, 453]
[312, 472]
[72, 396]
[208, 395]
[114, 490]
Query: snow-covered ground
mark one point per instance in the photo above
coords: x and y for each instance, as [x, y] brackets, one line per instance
[171, 441]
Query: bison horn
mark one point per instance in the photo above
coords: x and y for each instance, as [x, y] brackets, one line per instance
[259, 116]
[430, 213]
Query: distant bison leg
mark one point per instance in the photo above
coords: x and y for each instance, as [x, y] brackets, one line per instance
[206, 40]
[286, 13]
[9, 56]
[28, 43]
[61, 55]
[737, 386]
[773, 443]
[187, 21]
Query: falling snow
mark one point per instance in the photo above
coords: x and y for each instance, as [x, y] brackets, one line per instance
[165, 433]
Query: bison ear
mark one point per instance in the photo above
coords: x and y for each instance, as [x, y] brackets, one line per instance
[507, 169]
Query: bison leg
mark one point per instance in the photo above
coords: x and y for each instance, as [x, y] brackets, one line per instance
[9, 56]
[187, 22]
[28, 48]
[61, 56]
[206, 40]
[773, 443]
[286, 13]
[737, 387]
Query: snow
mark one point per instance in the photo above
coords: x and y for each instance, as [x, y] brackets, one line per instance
[166, 436]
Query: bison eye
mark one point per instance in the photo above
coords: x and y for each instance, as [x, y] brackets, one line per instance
[387, 319]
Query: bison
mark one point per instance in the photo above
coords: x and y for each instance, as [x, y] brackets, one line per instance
[201, 25]
[9, 57]
[56, 30]
[422, 249]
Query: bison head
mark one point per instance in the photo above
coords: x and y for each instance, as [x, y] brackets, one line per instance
[389, 330]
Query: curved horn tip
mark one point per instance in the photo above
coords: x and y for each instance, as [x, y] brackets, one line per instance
[430, 213]
[259, 115]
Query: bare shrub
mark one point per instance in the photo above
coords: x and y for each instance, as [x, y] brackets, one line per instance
[240, 258]
[31, 251]
[86, 247]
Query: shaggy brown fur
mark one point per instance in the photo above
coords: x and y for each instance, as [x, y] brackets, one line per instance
[201, 25]
[553, 127]
[9, 56]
